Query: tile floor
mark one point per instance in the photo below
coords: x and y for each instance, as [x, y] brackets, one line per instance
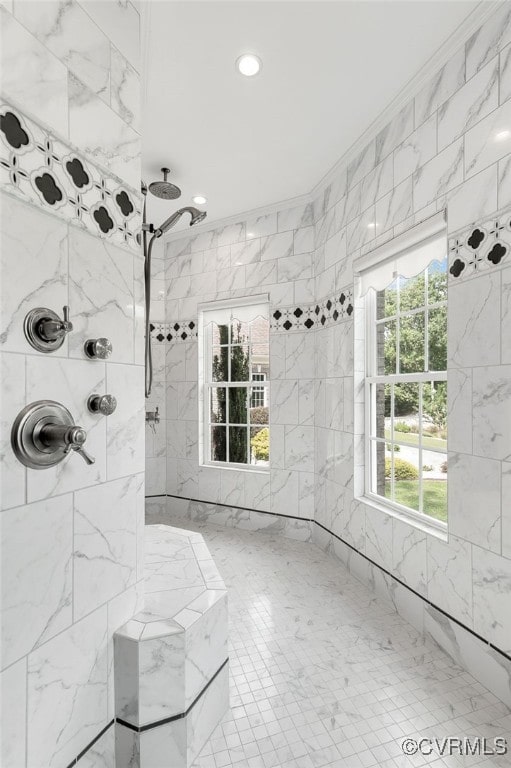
[325, 674]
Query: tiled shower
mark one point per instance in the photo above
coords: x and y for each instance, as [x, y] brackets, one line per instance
[74, 563]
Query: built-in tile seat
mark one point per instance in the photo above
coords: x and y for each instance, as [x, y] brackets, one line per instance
[171, 670]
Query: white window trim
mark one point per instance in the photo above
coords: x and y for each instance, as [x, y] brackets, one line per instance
[366, 263]
[203, 388]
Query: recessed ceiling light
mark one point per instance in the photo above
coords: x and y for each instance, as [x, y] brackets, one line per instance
[372, 225]
[502, 135]
[249, 64]
[199, 199]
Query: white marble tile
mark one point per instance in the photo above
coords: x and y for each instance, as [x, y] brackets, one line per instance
[261, 274]
[12, 472]
[299, 356]
[261, 226]
[102, 752]
[459, 397]
[69, 382]
[398, 129]
[394, 207]
[473, 309]
[102, 135]
[231, 233]
[470, 104]
[246, 252]
[439, 175]
[362, 164]
[474, 499]
[494, 34]
[209, 484]
[489, 667]
[105, 542]
[100, 295]
[13, 687]
[492, 590]
[67, 692]
[506, 315]
[295, 267]
[120, 22]
[450, 577]
[125, 90]
[284, 401]
[376, 184]
[505, 74]
[125, 427]
[416, 150]
[299, 448]
[303, 241]
[206, 714]
[492, 411]
[206, 647]
[306, 483]
[31, 76]
[36, 575]
[127, 746]
[378, 543]
[295, 218]
[172, 575]
[33, 268]
[441, 86]
[284, 492]
[506, 510]
[257, 490]
[155, 475]
[473, 200]
[68, 32]
[361, 230]
[121, 609]
[409, 556]
[488, 141]
[161, 678]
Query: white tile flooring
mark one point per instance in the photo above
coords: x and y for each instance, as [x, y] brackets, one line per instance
[325, 674]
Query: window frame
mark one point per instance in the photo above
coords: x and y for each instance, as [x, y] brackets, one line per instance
[371, 379]
[207, 386]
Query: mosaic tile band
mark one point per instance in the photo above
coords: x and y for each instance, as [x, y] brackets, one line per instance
[41, 168]
[481, 247]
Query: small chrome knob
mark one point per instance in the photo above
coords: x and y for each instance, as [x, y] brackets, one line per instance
[98, 349]
[105, 404]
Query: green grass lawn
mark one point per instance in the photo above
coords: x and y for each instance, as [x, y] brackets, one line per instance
[412, 438]
[435, 496]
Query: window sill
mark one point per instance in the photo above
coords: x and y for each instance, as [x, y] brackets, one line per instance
[437, 529]
[253, 468]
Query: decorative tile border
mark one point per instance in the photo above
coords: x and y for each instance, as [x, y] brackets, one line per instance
[480, 247]
[332, 310]
[40, 168]
[170, 333]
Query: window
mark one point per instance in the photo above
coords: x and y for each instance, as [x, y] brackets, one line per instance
[406, 374]
[235, 385]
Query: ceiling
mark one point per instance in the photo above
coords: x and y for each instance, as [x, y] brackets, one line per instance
[329, 69]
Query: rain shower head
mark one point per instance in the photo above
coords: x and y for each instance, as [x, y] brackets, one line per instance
[196, 217]
[164, 189]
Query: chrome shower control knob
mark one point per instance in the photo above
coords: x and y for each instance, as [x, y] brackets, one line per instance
[105, 404]
[98, 349]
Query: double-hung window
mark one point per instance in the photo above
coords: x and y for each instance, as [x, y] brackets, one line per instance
[234, 375]
[405, 289]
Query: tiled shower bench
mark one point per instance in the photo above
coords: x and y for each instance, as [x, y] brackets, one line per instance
[171, 666]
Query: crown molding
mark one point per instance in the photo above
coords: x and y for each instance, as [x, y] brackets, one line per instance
[476, 18]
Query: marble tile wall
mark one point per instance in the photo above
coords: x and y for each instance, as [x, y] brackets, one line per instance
[448, 148]
[72, 536]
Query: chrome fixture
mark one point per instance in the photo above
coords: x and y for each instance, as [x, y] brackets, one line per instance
[166, 191]
[153, 417]
[44, 433]
[105, 404]
[98, 349]
[44, 329]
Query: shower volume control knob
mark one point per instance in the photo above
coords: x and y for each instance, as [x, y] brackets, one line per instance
[105, 404]
[98, 349]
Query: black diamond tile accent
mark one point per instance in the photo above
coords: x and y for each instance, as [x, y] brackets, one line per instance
[497, 253]
[309, 323]
[317, 310]
[475, 239]
[298, 312]
[342, 298]
[323, 320]
[335, 314]
[124, 203]
[183, 335]
[191, 325]
[329, 305]
[50, 191]
[14, 133]
[277, 315]
[349, 309]
[160, 337]
[457, 268]
[77, 172]
[288, 324]
[169, 337]
[151, 327]
[176, 327]
[103, 219]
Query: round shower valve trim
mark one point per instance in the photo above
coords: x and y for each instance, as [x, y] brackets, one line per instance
[105, 404]
[98, 349]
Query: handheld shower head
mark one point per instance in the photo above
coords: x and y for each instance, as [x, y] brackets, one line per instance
[196, 217]
[164, 189]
